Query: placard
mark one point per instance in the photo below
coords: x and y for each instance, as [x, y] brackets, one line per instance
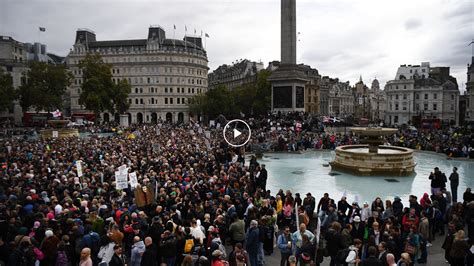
[211, 123]
[208, 134]
[156, 147]
[55, 134]
[218, 125]
[133, 179]
[121, 180]
[79, 168]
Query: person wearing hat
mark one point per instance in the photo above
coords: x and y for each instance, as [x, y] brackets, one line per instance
[49, 247]
[217, 258]
[454, 182]
[358, 228]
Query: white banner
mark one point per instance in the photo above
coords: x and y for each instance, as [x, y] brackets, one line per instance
[208, 134]
[55, 134]
[121, 181]
[211, 123]
[79, 168]
[133, 179]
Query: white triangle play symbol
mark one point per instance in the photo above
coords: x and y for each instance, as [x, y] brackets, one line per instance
[236, 133]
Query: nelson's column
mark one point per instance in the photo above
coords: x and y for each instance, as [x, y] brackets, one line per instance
[288, 80]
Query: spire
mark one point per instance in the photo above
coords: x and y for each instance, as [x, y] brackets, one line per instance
[360, 79]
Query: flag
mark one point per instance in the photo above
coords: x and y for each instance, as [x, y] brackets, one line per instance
[201, 33]
[194, 31]
[174, 26]
[185, 28]
[42, 29]
[207, 35]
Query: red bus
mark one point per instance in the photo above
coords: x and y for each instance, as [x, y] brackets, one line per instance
[36, 119]
[431, 123]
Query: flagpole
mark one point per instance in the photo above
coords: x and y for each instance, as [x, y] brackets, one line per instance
[185, 32]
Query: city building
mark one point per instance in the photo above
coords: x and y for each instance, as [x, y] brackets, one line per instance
[232, 76]
[341, 99]
[412, 100]
[413, 71]
[14, 59]
[377, 102]
[362, 101]
[164, 74]
[470, 91]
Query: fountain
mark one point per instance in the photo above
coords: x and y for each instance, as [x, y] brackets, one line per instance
[370, 158]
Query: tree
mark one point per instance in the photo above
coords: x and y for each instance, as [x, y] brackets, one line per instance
[121, 91]
[263, 94]
[214, 103]
[98, 89]
[7, 91]
[44, 87]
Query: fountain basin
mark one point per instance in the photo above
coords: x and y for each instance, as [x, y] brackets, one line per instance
[389, 160]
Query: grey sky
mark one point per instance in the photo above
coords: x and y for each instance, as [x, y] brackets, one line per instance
[341, 38]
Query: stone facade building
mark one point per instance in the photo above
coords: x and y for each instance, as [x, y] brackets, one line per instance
[341, 99]
[14, 59]
[235, 75]
[409, 101]
[164, 74]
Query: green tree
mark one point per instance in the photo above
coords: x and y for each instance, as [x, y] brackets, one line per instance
[244, 97]
[7, 92]
[44, 87]
[98, 89]
[121, 91]
[263, 94]
[215, 102]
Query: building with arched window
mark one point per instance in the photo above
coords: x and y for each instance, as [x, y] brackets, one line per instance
[159, 70]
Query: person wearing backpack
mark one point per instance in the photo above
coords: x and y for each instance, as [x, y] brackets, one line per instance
[353, 258]
[61, 255]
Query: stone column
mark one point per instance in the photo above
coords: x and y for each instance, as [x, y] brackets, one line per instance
[288, 32]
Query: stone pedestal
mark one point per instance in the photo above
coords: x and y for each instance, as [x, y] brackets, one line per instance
[124, 121]
[288, 83]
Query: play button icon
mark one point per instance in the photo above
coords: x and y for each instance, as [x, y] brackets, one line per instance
[237, 133]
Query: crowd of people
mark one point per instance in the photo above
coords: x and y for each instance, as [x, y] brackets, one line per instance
[196, 201]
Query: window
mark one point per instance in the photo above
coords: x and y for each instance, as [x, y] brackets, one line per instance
[423, 70]
[417, 96]
[192, 90]
[404, 108]
[404, 96]
[141, 90]
[141, 101]
[136, 90]
[396, 107]
[182, 100]
[435, 106]
[148, 80]
[395, 119]
[426, 96]
[136, 101]
[171, 100]
[178, 100]
[452, 96]
[452, 107]
[425, 106]
[435, 96]
[189, 90]
[171, 90]
[396, 87]
[404, 87]
[166, 100]
[396, 96]
[417, 107]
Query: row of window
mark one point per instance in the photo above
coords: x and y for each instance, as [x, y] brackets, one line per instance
[170, 90]
[155, 101]
[417, 96]
[123, 59]
[155, 80]
[417, 107]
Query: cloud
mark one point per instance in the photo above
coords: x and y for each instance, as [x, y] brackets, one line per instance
[341, 38]
[413, 23]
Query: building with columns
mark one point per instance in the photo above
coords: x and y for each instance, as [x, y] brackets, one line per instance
[164, 74]
[409, 101]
